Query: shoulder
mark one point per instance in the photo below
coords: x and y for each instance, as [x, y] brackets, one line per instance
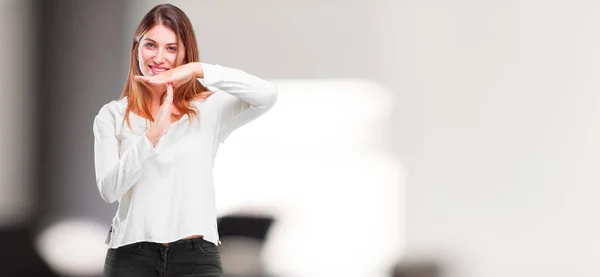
[112, 110]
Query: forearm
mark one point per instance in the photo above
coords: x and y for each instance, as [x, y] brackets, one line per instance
[114, 175]
[247, 87]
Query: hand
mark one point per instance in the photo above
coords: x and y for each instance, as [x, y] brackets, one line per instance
[162, 121]
[177, 76]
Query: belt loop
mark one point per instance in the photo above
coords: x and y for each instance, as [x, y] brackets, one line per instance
[194, 244]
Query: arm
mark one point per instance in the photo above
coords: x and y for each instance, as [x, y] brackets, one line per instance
[116, 175]
[248, 96]
[252, 96]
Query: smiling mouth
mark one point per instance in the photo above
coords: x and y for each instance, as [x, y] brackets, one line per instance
[156, 69]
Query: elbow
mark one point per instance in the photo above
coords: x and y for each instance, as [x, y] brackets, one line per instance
[107, 195]
[271, 94]
[266, 97]
[273, 90]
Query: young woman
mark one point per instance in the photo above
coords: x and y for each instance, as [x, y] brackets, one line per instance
[155, 147]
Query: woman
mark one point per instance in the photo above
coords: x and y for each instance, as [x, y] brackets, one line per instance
[155, 148]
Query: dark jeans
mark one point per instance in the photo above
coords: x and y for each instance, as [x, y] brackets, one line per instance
[183, 258]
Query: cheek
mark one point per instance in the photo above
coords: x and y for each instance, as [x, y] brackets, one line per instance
[173, 59]
[142, 65]
[142, 56]
[180, 57]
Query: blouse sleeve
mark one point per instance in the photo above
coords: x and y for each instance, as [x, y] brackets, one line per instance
[116, 175]
[248, 96]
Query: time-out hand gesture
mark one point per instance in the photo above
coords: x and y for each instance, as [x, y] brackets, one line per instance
[162, 120]
[177, 76]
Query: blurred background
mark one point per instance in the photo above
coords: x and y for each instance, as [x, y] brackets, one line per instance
[411, 138]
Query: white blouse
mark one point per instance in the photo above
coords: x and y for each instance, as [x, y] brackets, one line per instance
[166, 192]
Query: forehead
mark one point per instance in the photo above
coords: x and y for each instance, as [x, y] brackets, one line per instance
[161, 34]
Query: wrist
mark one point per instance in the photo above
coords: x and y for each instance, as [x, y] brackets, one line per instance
[152, 136]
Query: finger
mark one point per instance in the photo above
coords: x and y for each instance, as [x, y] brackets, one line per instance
[170, 91]
[158, 81]
[155, 80]
[148, 80]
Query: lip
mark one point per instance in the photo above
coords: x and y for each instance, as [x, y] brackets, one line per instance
[154, 72]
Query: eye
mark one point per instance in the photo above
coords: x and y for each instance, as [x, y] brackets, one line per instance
[172, 48]
[150, 44]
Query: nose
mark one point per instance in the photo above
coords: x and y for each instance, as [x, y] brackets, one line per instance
[158, 59]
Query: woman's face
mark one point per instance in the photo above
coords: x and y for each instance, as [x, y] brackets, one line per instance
[159, 50]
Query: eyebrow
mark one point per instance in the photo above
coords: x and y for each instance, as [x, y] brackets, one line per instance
[172, 43]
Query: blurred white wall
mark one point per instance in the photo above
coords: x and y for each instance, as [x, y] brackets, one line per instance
[324, 179]
[17, 110]
[280, 39]
[505, 140]
[496, 114]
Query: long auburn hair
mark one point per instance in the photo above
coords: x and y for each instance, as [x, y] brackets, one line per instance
[138, 93]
